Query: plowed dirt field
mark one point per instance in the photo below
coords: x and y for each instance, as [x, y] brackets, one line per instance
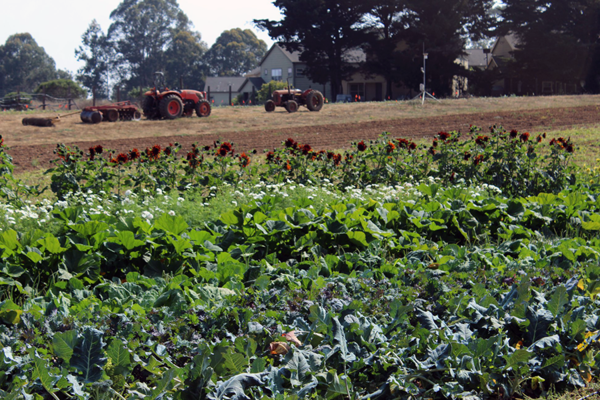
[251, 128]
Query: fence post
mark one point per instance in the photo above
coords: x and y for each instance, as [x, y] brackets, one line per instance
[94, 96]
[18, 96]
[230, 95]
[69, 97]
[44, 101]
[208, 93]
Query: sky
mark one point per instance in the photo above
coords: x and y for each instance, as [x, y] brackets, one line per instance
[57, 25]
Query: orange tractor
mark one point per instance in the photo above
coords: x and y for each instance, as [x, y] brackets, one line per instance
[291, 99]
[171, 104]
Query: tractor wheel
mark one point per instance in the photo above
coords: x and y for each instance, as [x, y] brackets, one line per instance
[291, 106]
[314, 101]
[203, 108]
[270, 106]
[149, 108]
[170, 107]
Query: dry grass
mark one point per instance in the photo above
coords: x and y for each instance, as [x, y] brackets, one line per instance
[240, 119]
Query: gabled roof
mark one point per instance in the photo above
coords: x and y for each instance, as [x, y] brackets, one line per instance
[220, 84]
[256, 82]
[294, 56]
[476, 58]
[355, 55]
[511, 39]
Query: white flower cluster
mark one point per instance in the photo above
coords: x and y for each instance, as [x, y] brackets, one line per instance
[320, 193]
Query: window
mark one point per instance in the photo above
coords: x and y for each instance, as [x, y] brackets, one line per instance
[299, 72]
[266, 72]
[276, 74]
[290, 71]
[357, 91]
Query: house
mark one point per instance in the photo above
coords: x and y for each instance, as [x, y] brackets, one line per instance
[251, 85]
[221, 90]
[472, 59]
[502, 54]
[280, 64]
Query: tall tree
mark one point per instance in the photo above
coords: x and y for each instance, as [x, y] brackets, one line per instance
[441, 28]
[185, 56]
[235, 52]
[96, 52]
[326, 31]
[24, 64]
[142, 31]
[558, 40]
[385, 22]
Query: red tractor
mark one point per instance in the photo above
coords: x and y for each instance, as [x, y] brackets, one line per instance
[171, 104]
[291, 99]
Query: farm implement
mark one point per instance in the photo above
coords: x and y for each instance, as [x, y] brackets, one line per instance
[124, 111]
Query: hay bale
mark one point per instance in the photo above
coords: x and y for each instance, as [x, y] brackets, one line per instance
[43, 122]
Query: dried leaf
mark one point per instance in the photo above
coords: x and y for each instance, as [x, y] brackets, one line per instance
[519, 344]
[291, 336]
[279, 347]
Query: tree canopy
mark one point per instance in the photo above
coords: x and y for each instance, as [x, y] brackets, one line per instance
[185, 59]
[392, 33]
[557, 40]
[96, 52]
[235, 52]
[326, 31]
[24, 64]
[61, 88]
[142, 31]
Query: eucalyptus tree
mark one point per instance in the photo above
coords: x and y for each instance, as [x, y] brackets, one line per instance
[235, 52]
[96, 51]
[145, 36]
[24, 64]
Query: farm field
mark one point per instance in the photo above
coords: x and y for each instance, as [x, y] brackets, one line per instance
[334, 127]
[423, 263]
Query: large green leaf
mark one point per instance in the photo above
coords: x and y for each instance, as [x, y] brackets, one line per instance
[119, 356]
[173, 224]
[10, 313]
[340, 338]
[163, 385]
[518, 357]
[64, 343]
[40, 371]
[51, 244]
[88, 357]
[233, 388]
[559, 298]
[297, 364]
[128, 240]
[338, 386]
[89, 228]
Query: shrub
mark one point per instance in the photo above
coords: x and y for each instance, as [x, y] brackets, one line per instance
[267, 89]
[62, 88]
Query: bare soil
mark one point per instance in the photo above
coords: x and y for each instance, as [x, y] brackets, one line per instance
[249, 128]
